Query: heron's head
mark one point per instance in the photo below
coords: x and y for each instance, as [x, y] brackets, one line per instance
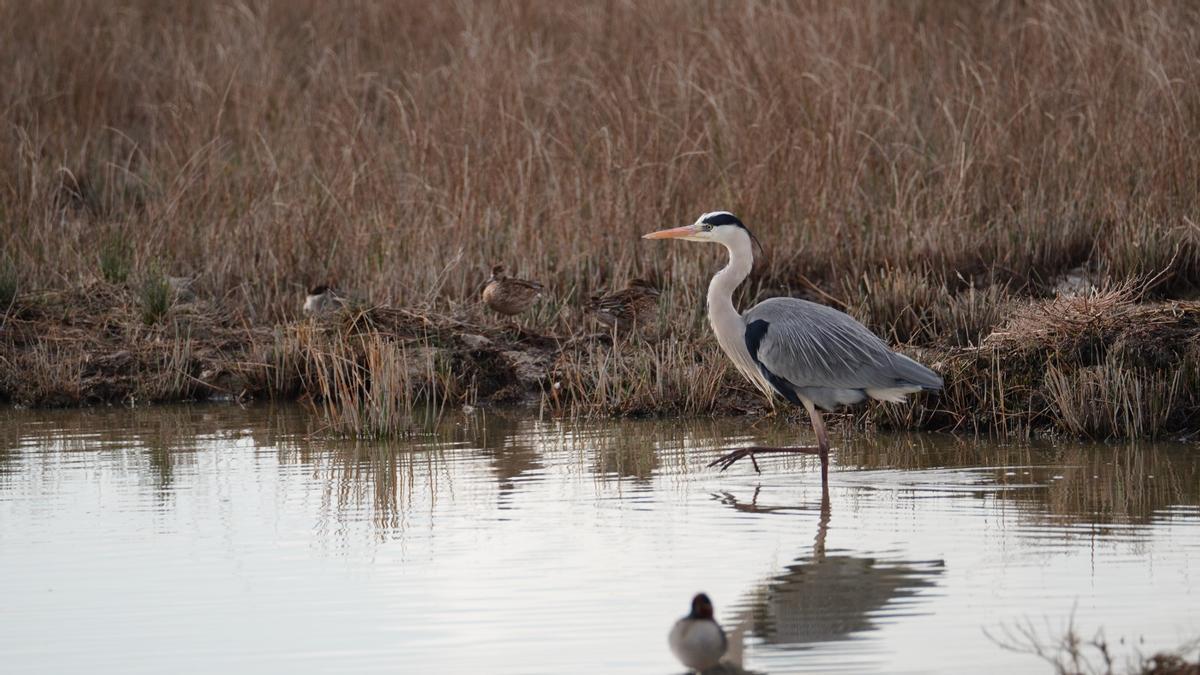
[498, 272]
[721, 227]
[318, 290]
[702, 607]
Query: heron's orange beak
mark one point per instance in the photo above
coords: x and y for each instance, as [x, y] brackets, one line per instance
[673, 233]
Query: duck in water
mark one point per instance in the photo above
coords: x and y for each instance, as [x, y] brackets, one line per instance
[697, 640]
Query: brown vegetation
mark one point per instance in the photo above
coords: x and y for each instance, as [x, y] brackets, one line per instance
[933, 168]
[1071, 654]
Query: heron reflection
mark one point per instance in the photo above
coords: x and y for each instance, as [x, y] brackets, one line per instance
[829, 595]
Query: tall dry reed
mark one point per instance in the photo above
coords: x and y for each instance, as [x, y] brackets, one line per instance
[401, 148]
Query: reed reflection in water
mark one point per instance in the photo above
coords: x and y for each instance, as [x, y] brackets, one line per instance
[205, 537]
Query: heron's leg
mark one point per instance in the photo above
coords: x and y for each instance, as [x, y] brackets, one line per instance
[822, 440]
[821, 449]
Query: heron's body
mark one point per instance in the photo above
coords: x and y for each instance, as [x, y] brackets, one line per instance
[627, 309]
[697, 640]
[508, 295]
[809, 354]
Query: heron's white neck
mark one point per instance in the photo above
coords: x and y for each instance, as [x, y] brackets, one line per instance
[724, 318]
[725, 282]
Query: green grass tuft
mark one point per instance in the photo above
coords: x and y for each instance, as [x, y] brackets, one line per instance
[116, 257]
[155, 297]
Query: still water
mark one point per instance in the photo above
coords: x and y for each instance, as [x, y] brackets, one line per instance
[217, 539]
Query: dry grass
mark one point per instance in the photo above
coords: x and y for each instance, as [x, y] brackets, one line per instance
[1100, 366]
[400, 148]
[93, 345]
[369, 385]
[929, 166]
[636, 377]
[1072, 654]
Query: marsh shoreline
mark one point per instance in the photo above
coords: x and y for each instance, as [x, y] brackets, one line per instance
[1101, 365]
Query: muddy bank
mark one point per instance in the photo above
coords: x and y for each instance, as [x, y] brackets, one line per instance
[1101, 365]
[92, 345]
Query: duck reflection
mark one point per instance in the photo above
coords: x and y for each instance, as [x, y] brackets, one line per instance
[510, 456]
[829, 595]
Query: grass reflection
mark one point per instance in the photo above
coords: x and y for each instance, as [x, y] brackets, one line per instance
[501, 454]
[1097, 483]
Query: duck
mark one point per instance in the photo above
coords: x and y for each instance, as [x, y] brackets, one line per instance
[323, 300]
[626, 309]
[697, 640]
[181, 288]
[508, 295]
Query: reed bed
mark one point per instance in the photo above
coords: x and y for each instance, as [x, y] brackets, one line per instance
[937, 169]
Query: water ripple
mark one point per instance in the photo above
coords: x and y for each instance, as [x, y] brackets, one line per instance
[209, 538]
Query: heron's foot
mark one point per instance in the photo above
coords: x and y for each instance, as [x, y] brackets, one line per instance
[729, 459]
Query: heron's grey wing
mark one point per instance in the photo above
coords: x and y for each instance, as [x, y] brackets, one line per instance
[826, 355]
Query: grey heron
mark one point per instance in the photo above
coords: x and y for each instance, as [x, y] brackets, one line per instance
[809, 354]
[697, 640]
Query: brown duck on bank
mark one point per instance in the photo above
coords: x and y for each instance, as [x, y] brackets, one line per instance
[509, 296]
[627, 309]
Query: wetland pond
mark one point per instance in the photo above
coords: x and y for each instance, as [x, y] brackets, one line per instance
[213, 538]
